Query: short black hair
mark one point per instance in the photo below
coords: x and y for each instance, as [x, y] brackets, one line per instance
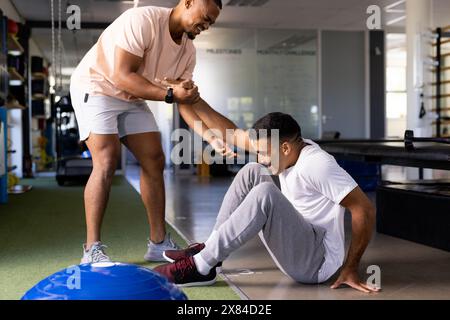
[218, 3]
[289, 129]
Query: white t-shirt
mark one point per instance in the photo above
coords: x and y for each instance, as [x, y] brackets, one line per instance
[316, 185]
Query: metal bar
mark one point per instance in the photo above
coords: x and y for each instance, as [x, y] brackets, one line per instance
[444, 55]
[438, 82]
[442, 109]
[443, 42]
[447, 95]
[46, 24]
[442, 82]
[441, 69]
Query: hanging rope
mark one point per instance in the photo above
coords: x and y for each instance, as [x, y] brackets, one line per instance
[59, 47]
[53, 41]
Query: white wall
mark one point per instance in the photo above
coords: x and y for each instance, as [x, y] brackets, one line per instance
[343, 83]
[441, 13]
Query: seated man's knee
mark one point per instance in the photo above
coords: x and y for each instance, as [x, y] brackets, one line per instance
[252, 169]
[267, 187]
[253, 166]
[266, 191]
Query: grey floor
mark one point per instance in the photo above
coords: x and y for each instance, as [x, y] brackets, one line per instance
[408, 270]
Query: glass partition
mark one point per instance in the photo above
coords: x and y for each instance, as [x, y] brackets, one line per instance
[246, 73]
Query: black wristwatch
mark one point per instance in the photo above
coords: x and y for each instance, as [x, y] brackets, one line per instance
[169, 96]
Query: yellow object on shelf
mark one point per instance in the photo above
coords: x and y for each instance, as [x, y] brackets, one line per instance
[203, 169]
[12, 180]
[44, 159]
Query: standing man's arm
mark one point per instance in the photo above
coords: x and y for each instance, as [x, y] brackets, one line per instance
[125, 78]
[363, 220]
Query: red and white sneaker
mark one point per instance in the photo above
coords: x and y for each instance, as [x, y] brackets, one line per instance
[183, 272]
[193, 249]
[190, 251]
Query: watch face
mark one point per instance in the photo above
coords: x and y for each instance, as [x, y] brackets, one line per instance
[169, 97]
[168, 100]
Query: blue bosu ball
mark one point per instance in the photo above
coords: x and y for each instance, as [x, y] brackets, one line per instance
[105, 281]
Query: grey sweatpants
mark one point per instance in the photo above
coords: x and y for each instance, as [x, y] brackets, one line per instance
[255, 205]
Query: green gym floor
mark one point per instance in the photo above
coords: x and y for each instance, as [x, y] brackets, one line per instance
[42, 231]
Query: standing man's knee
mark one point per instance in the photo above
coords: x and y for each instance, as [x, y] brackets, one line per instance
[154, 163]
[106, 165]
[105, 160]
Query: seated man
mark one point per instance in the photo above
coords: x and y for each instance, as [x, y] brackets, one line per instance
[301, 225]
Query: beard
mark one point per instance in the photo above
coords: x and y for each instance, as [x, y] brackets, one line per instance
[191, 35]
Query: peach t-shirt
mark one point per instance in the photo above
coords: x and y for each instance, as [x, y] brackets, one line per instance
[144, 32]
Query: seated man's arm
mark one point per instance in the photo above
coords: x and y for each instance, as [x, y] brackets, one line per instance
[214, 120]
[211, 119]
[363, 220]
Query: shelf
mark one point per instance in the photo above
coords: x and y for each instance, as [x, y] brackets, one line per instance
[11, 151]
[14, 105]
[39, 117]
[15, 75]
[38, 96]
[443, 122]
[442, 109]
[444, 55]
[442, 42]
[442, 83]
[19, 189]
[447, 95]
[39, 75]
[442, 69]
[14, 47]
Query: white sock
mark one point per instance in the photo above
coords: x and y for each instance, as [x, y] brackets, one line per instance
[202, 266]
[213, 233]
[212, 237]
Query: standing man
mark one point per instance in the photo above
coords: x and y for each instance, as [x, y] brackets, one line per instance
[109, 88]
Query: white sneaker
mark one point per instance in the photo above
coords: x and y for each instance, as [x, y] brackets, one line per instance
[95, 253]
[155, 251]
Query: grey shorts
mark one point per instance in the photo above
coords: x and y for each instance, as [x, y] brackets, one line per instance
[108, 115]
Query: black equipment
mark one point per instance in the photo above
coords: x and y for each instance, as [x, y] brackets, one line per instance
[71, 165]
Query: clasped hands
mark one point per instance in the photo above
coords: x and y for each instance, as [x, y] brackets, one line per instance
[186, 92]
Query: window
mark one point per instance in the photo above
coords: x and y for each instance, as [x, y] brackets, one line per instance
[396, 104]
